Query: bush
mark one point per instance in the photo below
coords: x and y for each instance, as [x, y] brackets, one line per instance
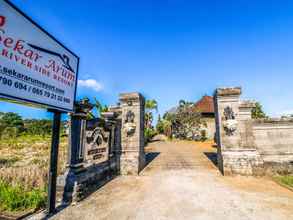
[164, 127]
[149, 133]
[12, 125]
[16, 198]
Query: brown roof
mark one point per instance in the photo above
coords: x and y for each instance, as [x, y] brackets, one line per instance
[205, 105]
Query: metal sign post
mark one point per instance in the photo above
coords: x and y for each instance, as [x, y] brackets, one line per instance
[53, 162]
[36, 69]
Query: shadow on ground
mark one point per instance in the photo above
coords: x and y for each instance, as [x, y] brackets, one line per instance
[149, 157]
[212, 157]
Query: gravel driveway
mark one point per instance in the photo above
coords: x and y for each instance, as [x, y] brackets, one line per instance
[182, 182]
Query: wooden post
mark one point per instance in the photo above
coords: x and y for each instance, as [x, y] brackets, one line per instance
[53, 162]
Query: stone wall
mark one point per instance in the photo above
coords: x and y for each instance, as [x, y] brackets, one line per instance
[211, 128]
[247, 146]
[102, 148]
[274, 141]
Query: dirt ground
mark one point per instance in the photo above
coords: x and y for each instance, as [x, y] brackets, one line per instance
[181, 181]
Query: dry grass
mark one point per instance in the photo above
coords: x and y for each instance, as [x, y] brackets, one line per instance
[30, 177]
[25, 160]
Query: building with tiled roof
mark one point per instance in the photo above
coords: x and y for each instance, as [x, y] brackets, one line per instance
[206, 107]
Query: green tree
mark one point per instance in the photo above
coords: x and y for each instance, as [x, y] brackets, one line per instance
[159, 126]
[185, 123]
[183, 103]
[99, 108]
[2, 125]
[164, 127]
[38, 127]
[11, 124]
[257, 111]
[150, 106]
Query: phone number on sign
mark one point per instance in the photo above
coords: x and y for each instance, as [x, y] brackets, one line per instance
[31, 89]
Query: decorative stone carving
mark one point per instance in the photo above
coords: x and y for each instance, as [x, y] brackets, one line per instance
[129, 123]
[132, 159]
[230, 124]
[97, 145]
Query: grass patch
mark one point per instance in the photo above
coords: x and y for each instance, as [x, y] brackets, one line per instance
[7, 162]
[16, 198]
[285, 180]
[24, 141]
[24, 164]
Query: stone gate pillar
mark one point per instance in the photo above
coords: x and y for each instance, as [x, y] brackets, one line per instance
[132, 158]
[236, 151]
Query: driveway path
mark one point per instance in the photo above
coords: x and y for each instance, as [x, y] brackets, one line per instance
[181, 182]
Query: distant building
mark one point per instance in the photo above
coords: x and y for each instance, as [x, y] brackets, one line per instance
[205, 106]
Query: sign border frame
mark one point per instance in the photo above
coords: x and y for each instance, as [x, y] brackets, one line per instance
[39, 104]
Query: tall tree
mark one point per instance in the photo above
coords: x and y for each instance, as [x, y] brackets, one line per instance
[257, 111]
[150, 106]
[11, 124]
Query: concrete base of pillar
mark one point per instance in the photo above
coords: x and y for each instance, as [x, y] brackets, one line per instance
[131, 163]
[244, 162]
[77, 184]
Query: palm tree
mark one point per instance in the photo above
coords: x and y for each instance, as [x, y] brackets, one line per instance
[100, 109]
[150, 105]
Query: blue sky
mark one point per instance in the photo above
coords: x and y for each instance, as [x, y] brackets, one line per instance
[175, 49]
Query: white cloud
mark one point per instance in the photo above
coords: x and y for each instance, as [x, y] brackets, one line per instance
[90, 84]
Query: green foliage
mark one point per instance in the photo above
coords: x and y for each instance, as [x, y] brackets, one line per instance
[257, 112]
[11, 119]
[286, 180]
[171, 117]
[150, 106]
[99, 108]
[12, 126]
[149, 133]
[185, 123]
[164, 127]
[16, 198]
[38, 127]
[160, 126]
[183, 103]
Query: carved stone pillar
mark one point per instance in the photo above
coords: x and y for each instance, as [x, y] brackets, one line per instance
[76, 133]
[67, 182]
[227, 109]
[236, 150]
[132, 158]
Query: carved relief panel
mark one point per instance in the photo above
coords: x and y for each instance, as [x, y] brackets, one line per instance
[229, 123]
[97, 144]
[130, 126]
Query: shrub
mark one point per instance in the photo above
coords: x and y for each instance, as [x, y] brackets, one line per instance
[164, 127]
[149, 133]
[16, 198]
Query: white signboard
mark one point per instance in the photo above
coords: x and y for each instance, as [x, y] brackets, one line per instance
[34, 66]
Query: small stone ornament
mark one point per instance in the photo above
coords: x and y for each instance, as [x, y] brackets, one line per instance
[130, 126]
[230, 124]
